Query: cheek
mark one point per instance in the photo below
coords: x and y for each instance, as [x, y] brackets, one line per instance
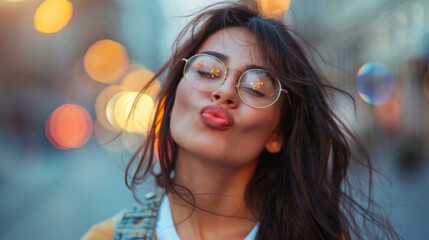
[264, 123]
[185, 111]
[255, 130]
[182, 102]
[179, 106]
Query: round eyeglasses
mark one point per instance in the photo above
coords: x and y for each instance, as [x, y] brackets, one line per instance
[257, 88]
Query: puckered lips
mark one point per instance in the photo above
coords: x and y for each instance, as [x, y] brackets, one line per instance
[216, 117]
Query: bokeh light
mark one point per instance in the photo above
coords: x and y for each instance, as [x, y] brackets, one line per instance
[69, 126]
[130, 111]
[375, 83]
[137, 79]
[389, 116]
[105, 61]
[53, 15]
[110, 110]
[274, 8]
[101, 102]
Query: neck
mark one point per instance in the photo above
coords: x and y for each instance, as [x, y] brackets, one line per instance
[210, 199]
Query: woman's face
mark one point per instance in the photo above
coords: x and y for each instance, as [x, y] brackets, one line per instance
[217, 126]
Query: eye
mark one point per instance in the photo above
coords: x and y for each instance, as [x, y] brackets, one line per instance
[211, 73]
[253, 92]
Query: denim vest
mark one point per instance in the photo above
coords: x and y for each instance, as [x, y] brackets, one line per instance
[139, 222]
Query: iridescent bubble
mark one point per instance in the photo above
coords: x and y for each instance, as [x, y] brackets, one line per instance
[375, 83]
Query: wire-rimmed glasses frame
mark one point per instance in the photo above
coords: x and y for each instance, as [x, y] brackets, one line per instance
[217, 80]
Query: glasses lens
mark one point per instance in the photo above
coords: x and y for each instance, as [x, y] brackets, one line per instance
[204, 72]
[258, 88]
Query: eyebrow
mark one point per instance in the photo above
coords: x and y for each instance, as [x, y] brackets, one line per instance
[225, 58]
[219, 55]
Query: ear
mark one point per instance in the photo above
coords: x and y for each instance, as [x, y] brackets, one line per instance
[274, 143]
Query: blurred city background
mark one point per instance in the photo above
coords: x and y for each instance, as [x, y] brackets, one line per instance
[70, 70]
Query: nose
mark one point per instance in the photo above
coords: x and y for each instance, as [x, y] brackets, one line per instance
[226, 94]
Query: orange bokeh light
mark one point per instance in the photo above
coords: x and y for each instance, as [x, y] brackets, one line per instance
[53, 15]
[137, 79]
[69, 126]
[274, 8]
[105, 61]
[389, 116]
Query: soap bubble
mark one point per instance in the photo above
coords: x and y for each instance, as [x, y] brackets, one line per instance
[375, 83]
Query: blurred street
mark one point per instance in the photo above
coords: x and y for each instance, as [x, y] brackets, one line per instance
[59, 195]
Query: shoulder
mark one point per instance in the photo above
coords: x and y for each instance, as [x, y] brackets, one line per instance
[137, 220]
[141, 219]
[103, 230]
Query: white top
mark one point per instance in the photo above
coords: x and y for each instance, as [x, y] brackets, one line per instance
[165, 228]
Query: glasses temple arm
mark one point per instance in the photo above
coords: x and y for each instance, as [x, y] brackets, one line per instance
[287, 95]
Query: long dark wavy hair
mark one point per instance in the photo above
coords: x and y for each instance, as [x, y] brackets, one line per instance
[300, 190]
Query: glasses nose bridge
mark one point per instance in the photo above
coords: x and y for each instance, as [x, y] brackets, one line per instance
[227, 75]
[232, 85]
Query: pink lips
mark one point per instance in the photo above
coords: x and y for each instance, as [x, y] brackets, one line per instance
[216, 117]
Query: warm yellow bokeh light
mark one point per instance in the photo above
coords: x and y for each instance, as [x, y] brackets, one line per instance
[105, 61]
[130, 111]
[137, 79]
[69, 126]
[110, 110]
[53, 15]
[101, 102]
[274, 8]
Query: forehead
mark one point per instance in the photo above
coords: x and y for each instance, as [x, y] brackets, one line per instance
[238, 44]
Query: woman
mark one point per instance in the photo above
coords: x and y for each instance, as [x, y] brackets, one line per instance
[246, 140]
